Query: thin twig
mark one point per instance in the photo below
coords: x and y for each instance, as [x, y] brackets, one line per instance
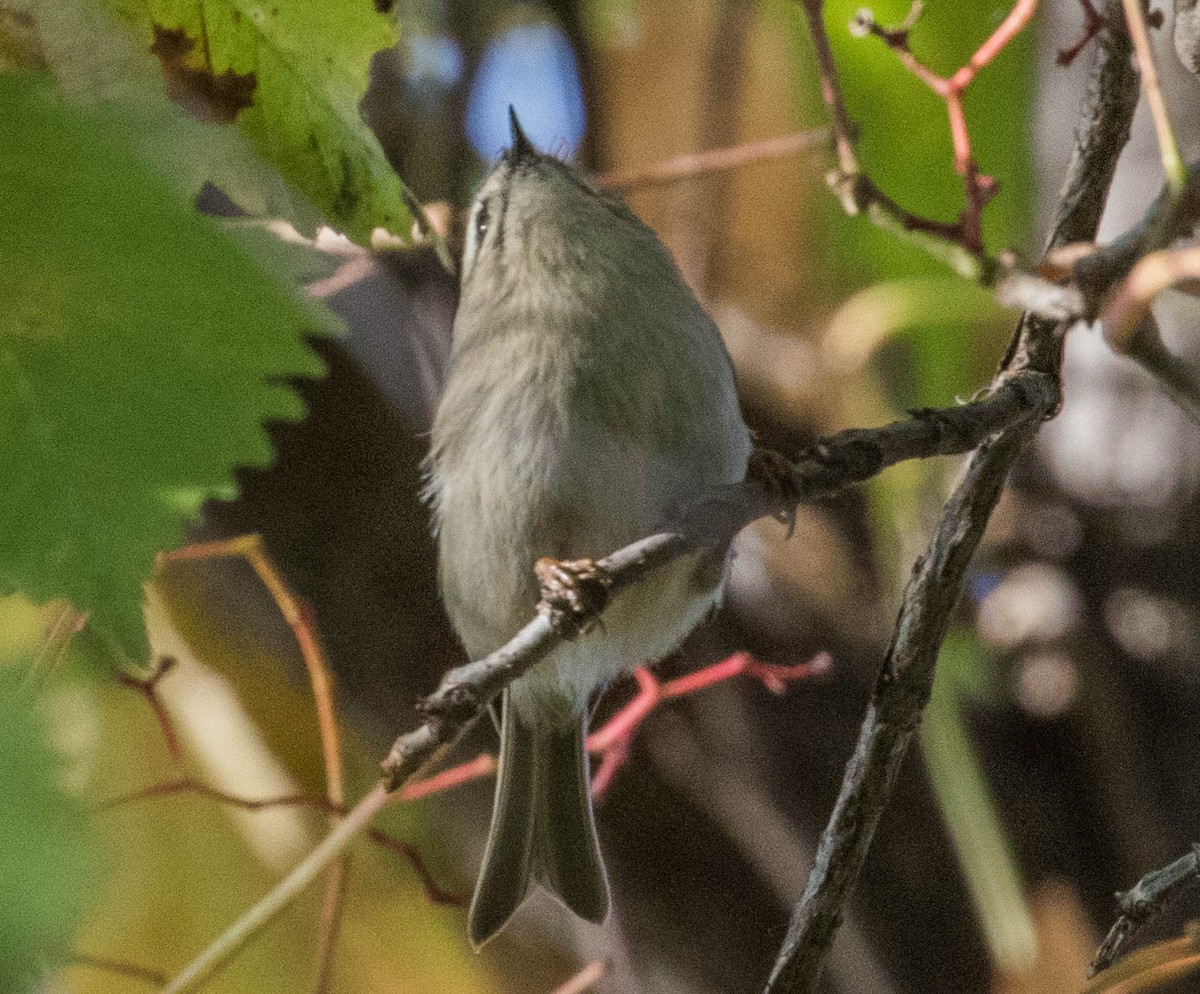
[980, 189]
[256, 919]
[191, 786]
[958, 243]
[1145, 900]
[1172, 215]
[844, 130]
[696, 164]
[1131, 299]
[906, 677]
[1130, 328]
[1167, 146]
[829, 467]
[1150, 969]
[148, 688]
[1092, 23]
[610, 743]
[299, 618]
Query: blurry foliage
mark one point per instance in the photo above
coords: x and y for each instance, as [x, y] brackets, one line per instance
[904, 145]
[141, 350]
[50, 860]
[289, 75]
[183, 867]
[141, 347]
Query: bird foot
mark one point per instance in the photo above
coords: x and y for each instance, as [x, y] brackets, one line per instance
[773, 471]
[573, 593]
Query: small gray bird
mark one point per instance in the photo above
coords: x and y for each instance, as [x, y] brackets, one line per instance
[588, 397]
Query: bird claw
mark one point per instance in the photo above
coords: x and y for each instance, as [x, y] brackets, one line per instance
[773, 471]
[573, 593]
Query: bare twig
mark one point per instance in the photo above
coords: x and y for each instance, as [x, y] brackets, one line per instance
[1171, 215]
[958, 243]
[148, 688]
[256, 919]
[1145, 900]
[858, 192]
[906, 678]
[1130, 328]
[299, 618]
[1131, 299]
[829, 467]
[980, 189]
[197, 788]
[610, 743]
[1168, 148]
[696, 164]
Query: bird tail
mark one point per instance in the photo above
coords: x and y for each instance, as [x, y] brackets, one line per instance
[542, 825]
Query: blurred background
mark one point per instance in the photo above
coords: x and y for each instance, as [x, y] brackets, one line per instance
[1057, 761]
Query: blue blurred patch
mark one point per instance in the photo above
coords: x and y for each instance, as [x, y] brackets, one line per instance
[980, 583]
[530, 65]
[433, 67]
[434, 60]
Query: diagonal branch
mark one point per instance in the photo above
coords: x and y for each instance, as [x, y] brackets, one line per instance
[1145, 900]
[906, 677]
[829, 467]
[832, 465]
[298, 616]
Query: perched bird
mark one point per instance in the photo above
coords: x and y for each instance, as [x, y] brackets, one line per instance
[588, 397]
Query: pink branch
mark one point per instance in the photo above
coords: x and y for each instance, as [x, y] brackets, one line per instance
[610, 743]
[1009, 28]
[980, 189]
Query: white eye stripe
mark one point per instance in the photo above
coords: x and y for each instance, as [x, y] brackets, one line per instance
[482, 221]
[473, 239]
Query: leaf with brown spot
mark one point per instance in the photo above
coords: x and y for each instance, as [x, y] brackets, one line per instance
[210, 96]
[20, 47]
[289, 76]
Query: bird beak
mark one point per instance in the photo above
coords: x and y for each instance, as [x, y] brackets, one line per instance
[522, 148]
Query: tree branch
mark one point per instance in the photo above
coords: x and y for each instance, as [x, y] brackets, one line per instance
[906, 677]
[298, 616]
[829, 467]
[1146, 899]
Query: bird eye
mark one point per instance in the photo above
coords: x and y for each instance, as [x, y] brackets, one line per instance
[483, 219]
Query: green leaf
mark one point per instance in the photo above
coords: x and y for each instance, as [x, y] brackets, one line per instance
[140, 351]
[961, 788]
[49, 866]
[289, 75]
[904, 145]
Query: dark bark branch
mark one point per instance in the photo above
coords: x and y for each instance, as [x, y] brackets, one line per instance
[832, 465]
[906, 677]
[1146, 899]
